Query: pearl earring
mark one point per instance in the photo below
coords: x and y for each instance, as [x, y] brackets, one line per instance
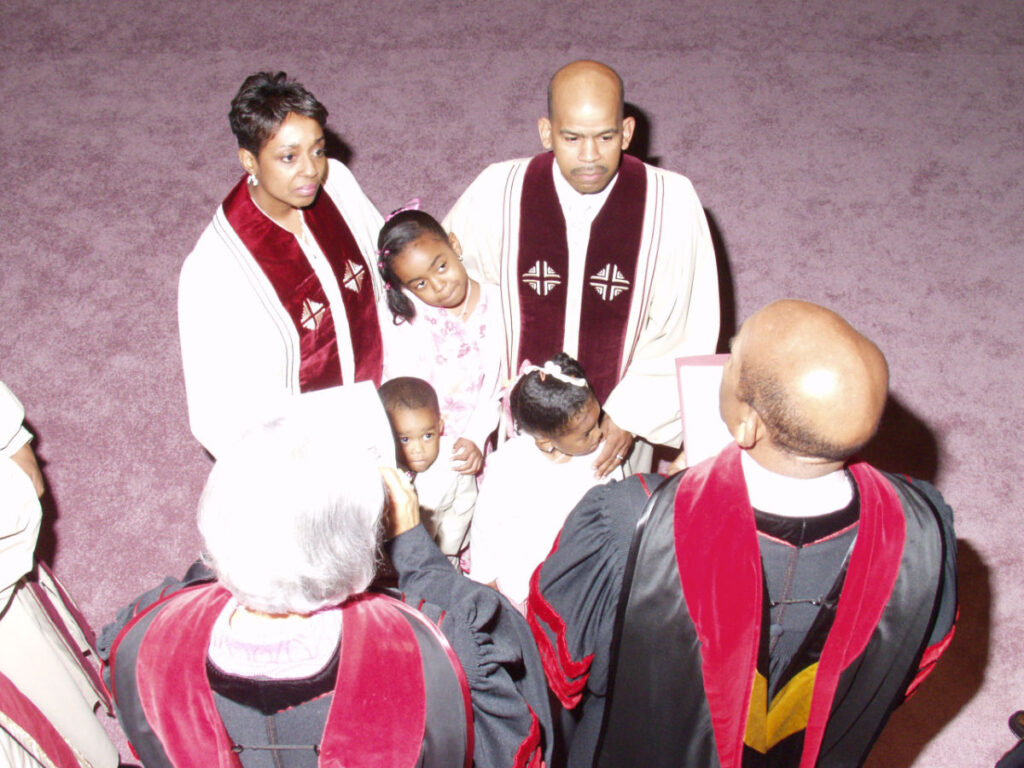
[253, 181]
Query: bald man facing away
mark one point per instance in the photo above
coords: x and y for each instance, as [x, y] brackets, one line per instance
[776, 602]
[597, 255]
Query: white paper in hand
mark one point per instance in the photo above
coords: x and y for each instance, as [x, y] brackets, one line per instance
[704, 432]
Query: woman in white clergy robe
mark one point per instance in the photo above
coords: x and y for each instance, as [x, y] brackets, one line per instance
[279, 296]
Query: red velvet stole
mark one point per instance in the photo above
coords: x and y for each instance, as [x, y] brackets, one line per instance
[380, 674]
[720, 571]
[17, 708]
[279, 255]
[609, 272]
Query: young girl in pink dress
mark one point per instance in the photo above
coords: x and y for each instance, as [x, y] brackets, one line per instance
[447, 329]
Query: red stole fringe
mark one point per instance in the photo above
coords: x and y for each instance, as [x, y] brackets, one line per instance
[609, 272]
[720, 571]
[280, 257]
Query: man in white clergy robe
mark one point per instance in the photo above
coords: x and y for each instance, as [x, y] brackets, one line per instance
[598, 255]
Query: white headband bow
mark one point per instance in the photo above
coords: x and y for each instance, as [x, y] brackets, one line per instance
[551, 368]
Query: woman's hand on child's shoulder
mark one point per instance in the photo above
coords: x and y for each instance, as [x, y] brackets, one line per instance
[465, 451]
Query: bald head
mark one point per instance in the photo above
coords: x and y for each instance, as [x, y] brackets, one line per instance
[817, 384]
[585, 127]
[585, 79]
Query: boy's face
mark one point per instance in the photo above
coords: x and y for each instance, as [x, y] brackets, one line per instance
[417, 435]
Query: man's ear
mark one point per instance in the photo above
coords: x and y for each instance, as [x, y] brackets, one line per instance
[628, 126]
[749, 430]
[544, 129]
[453, 241]
[247, 159]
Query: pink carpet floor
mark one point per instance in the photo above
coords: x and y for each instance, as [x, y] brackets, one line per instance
[866, 155]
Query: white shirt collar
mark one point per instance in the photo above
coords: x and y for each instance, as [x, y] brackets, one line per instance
[577, 203]
[278, 648]
[793, 496]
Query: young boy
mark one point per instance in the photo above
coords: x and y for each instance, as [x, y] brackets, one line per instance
[446, 498]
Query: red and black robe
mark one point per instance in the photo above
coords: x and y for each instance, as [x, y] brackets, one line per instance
[393, 704]
[679, 687]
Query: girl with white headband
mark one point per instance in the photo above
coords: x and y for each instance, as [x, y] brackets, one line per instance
[535, 479]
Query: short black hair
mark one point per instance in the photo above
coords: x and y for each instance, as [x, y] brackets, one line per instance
[763, 391]
[409, 393]
[263, 102]
[397, 232]
[543, 405]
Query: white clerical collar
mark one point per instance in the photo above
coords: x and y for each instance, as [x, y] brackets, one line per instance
[577, 203]
[793, 496]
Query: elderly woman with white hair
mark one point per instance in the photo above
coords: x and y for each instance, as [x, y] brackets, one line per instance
[286, 660]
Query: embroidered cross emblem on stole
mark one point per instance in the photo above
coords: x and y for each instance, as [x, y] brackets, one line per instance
[609, 282]
[312, 314]
[354, 276]
[542, 278]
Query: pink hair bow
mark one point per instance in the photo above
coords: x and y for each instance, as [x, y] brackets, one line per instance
[411, 205]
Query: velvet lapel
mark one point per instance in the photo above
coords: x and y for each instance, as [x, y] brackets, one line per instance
[172, 664]
[380, 676]
[720, 570]
[380, 673]
[610, 270]
[460, 673]
[874, 566]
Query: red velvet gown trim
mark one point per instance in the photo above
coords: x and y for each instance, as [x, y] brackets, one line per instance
[380, 675]
[612, 255]
[720, 572]
[568, 687]
[172, 665]
[460, 673]
[17, 707]
[530, 753]
[300, 292]
[874, 566]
